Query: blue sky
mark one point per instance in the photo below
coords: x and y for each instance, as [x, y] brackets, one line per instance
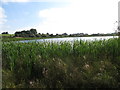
[73, 16]
[25, 14]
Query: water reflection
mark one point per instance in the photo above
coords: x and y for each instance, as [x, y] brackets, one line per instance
[70, 39]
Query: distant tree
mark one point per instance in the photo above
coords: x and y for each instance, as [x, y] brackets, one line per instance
[43, 35]
[71, 35]
[64, 34]
[28, 33]
[5, 33]
[57, 34]
[51, 35]
[47, 33]
[17, 34]
[34, 31]
[39, 33]
[119, 31]
[95, 34]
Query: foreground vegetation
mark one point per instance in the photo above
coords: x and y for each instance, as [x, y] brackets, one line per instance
[81, 64]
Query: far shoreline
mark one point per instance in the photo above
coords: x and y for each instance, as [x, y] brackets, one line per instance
[7, 38]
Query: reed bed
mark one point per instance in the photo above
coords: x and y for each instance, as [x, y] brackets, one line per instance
[81, 64]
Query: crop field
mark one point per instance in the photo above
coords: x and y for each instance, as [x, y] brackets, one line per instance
[81, 64]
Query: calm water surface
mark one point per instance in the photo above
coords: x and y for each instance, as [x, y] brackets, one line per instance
[71, 39]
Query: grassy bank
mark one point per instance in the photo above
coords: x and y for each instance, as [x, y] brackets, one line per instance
[80, 64]
[9, 39]
[6, 35]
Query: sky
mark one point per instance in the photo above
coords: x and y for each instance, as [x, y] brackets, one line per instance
[59, 16]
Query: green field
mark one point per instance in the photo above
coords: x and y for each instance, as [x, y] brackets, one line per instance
[8, 35]
[81, 64]
[9, 39]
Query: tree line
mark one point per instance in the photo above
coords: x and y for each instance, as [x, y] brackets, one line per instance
[33, 33]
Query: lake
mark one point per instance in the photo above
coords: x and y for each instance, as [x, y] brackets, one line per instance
[70, 39]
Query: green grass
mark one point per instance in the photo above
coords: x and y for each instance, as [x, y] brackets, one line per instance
[9, 39]
[79, 64]
[7, 35]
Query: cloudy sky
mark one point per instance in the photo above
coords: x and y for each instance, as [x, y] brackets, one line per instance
[59, 16]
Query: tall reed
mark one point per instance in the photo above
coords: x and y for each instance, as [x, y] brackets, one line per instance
[62, 64]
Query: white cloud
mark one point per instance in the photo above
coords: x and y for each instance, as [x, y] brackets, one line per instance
[88, 16]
